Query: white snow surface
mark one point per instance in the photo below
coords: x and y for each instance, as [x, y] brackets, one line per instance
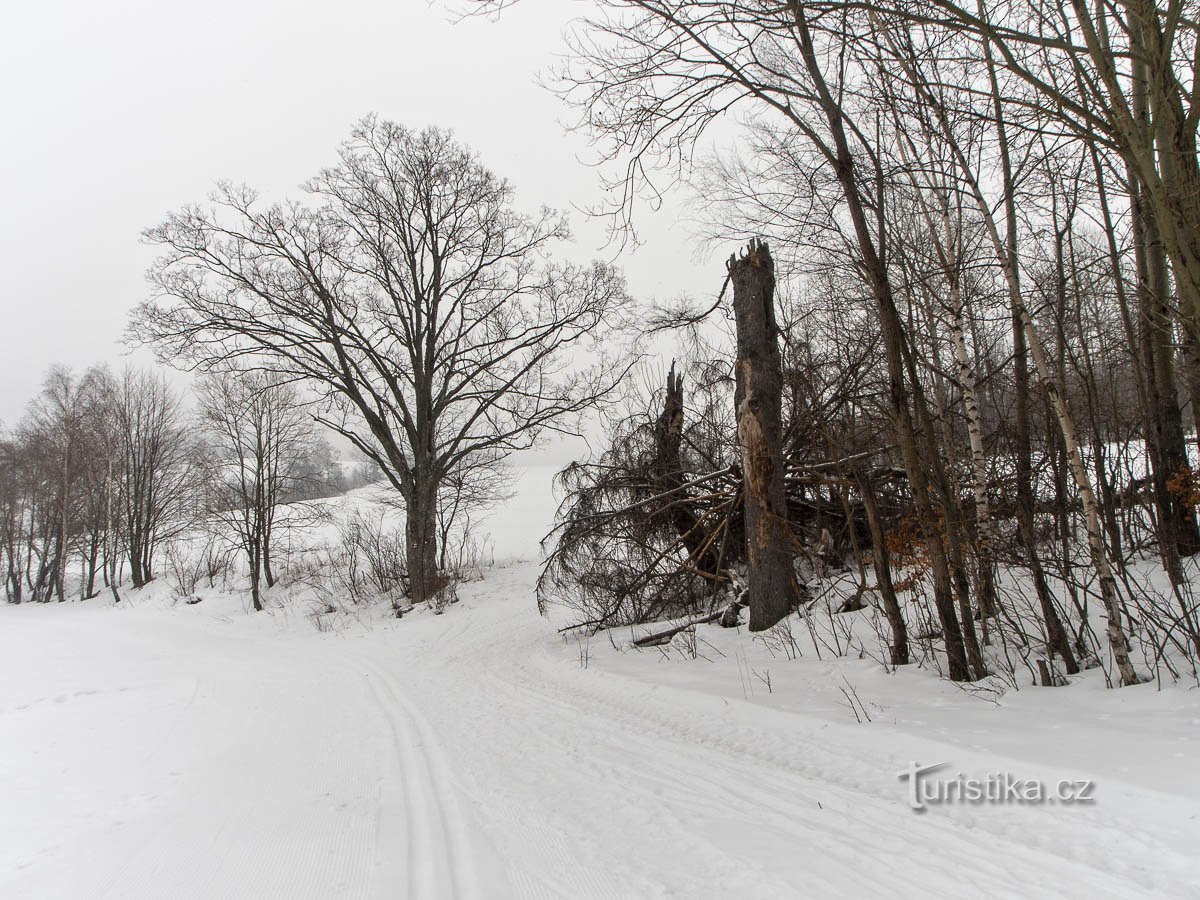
[162, 750]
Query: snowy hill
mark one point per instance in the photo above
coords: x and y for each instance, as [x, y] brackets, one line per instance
[161, 749]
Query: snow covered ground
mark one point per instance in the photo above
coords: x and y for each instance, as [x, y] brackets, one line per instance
[161, 750]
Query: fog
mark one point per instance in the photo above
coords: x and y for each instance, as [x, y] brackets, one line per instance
[117, 113]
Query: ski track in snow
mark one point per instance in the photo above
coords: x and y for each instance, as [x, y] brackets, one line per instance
[807, 804]
[168, 753]
[438, 856]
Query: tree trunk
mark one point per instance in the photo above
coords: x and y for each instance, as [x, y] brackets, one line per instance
[111, 542]
[420, 534]
[1117, 641]
[883, 573]
[135, 563]
[1178, 532]
[91, 561]
[112, 579]
[703, 552]
[255, 560]
[62, 521]
[1057, 639]
[265, 514]
[985, 541]
[758, 397]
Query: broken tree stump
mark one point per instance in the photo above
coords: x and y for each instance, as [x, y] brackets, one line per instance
[758, 396]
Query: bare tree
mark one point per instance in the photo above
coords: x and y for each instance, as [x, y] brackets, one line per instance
[108, 467]
[412, 294]
[15, 482]
[650, 76]
[56, 420]
[160, 491]
[98, 483]
[260, 436]
[1123, 73]
[1005, 196]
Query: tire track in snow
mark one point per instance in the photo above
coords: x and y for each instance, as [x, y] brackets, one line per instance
[649, 781]
[703, 782]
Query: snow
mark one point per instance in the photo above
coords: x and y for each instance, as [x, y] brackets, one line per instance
[158, 749]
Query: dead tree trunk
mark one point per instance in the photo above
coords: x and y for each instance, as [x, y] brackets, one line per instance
[758, 397]
[702, 551]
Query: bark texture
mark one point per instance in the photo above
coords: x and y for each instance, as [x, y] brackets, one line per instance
[421, 543]
[758, 398]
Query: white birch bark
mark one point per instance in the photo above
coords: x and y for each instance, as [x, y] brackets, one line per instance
[1117, 640]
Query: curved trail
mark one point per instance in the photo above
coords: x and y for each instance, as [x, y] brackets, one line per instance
[166, 753]
[641, 778]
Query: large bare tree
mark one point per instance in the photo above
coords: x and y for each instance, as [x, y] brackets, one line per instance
[412, 294]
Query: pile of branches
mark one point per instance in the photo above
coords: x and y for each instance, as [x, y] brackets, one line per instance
[637, 539]
[654, 529]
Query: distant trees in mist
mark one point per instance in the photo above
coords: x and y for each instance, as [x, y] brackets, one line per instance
[105, 470]
[260, 438]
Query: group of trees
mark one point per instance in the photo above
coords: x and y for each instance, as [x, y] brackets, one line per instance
[99, 472]
[408, 307]
[988, 216]
[105, 470]
[971, 347]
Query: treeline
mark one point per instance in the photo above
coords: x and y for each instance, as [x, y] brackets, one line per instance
[105, 471]
[985, 222]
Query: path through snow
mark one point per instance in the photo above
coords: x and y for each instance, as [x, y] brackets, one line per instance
[153, 752]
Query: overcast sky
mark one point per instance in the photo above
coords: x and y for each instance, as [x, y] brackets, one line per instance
[115, 113]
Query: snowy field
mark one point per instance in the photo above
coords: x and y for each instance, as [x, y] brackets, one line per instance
[164, 750]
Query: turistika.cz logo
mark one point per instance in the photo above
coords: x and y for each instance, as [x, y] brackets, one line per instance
[996, 787]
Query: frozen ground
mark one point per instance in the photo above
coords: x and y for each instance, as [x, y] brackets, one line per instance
[173, 751]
